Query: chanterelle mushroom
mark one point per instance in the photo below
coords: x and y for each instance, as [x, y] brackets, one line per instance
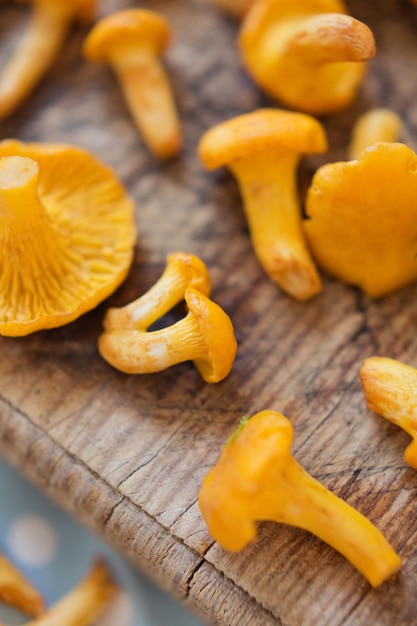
[263, 149]
[362, 219]
[131, 42]
[66, 238]
[306, 53]
[48, 26]
[257, 478]
[205, 336]
[390, 389]
[376, 125]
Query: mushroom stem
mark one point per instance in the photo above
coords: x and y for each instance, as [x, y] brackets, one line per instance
[138, 352]
[390, 387]
[148, 94]
[301, 501]
[182, 270]
[35, 54]
[273, 213]
[19, 203]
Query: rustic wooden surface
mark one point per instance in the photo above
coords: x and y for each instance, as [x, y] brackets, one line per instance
[126, 454]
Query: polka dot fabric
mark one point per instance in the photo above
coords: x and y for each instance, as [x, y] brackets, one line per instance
[55, 554]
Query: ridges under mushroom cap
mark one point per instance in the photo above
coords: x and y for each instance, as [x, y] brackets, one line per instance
[123, 29]
[259, 131]
[64, 254]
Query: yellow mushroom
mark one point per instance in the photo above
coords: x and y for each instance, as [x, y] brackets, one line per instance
[263, 149]
[131, 42]
[362, 219]
[374, 126]
[182, 271]
[306, 53]
[48, 27]
[17, 591]
[67, 235]
[390, 389]
[234, 8]
[205, 336]
[84, 604]
[256, 478]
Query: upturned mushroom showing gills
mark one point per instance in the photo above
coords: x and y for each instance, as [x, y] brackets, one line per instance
[362, 219]
[42, 40]
[131, 41]
[205, 336]
[182, 270]
[390, 389]
[306, 53]
[263, 149]
[66, 238]
[256, 478]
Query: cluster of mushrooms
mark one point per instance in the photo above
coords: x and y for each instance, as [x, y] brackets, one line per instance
[310, 56]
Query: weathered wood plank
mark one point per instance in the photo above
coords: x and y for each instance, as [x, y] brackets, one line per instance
[126, 454]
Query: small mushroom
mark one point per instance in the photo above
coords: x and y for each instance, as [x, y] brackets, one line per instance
[205, 336]
[48, 27]
[234, 8]
[17, 591]
[374, 126]
[182, 271]
[131, 42]
[67, 235]
[263, 149]
[257, 479]
[362, 219]
[83, 604]
[306, 53]
[390, 389]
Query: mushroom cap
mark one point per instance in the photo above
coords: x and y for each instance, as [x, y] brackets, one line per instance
[317, 89]
[218, 334]
[63, 265]
[124, 29]
[269, 11]
[260, 131]
[362, 225]
[259, 449]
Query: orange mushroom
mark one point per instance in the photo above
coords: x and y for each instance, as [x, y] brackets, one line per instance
[48, 27]
[67, 235]
[131, 41]
[306, 53]
[182, 271]
[362, 219]
[263, 149]
[256, 478]
[17, 591]
[85, 603]
[205, 336]
[390, 389]
[374, 126]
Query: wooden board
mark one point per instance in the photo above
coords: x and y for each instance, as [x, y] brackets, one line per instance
[126, 454]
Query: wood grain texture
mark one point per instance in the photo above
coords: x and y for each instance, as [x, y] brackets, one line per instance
[126, 454]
